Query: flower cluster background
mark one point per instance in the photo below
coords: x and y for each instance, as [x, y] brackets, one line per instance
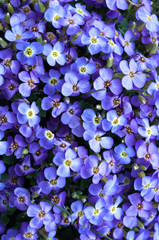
[79, 120]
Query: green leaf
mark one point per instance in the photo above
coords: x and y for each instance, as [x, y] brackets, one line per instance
[42, 113]
[4, 219]
[4, 176]
[9, 160]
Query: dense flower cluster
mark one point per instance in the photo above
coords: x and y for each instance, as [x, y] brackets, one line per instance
[79, 111]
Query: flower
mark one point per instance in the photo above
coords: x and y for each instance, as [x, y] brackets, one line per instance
[94, 41]
[28, 114]
[133, 75]
[95, 214]
[28, 52]
[91, 168]
[53, 182]
[55, 54]
[20, 199]
[67, 161]
[123, 154]
[40, 213]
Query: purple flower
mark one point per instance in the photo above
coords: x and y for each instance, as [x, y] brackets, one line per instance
[9, 88]
[18, 34]
[3, 144]
[115, 4]
[71, 116]
[91, 120]
[133, 75]
[28, 114]
[24, 167]
[95, 214]
[16, 146]
[126, 42]
[113, 121]
[148, 152]
[94, 40]
[96, 140]
[39, 154]
[83, 68]
[27, 232]
[105, 82]
[72, 23]
[29, 84]
[91, 168]
[74, 85]
[138, 207]
[11, 234]
[147, 131]
[40, 213]
[124, 154]
[46, 138]
[54, 103]
[146, 186]
[11, 66]
[129, 132]
[28, 52]
[78, 212]
[67, 161]
[20, 199]
[112, 209]
[53, 82]
[55, 54]
[54, 15]
[53, 182]
[151, 21]
[7, 118]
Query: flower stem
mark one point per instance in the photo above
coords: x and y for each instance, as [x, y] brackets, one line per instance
[135, 4]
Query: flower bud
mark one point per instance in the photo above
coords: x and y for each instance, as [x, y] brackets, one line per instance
[109, 62]
[41, 6]
[141, 174]
[154, 48]
[3, 43]
[132, 26]
[140, 26]
[25, 151]
[10, 8]
[7, 18]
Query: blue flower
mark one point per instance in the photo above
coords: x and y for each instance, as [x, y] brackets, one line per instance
[28, 52]
[54, 15]
[55, 54]
[94, 40]
[28, 114]
[124, 154]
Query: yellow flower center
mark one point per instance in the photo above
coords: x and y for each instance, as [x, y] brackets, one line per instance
[98, 138]
[28, 235]
[124, 154]
[131, 74]
[54, 54]
[111, 43]
[30, 113]
[68, 163]
[53, 182]
[80, 214]
[28, 51]
[96, 120]
[115, 122]
[83, 69]
[49, 134]
[56, 17]
[94, 40]
[96, 211]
